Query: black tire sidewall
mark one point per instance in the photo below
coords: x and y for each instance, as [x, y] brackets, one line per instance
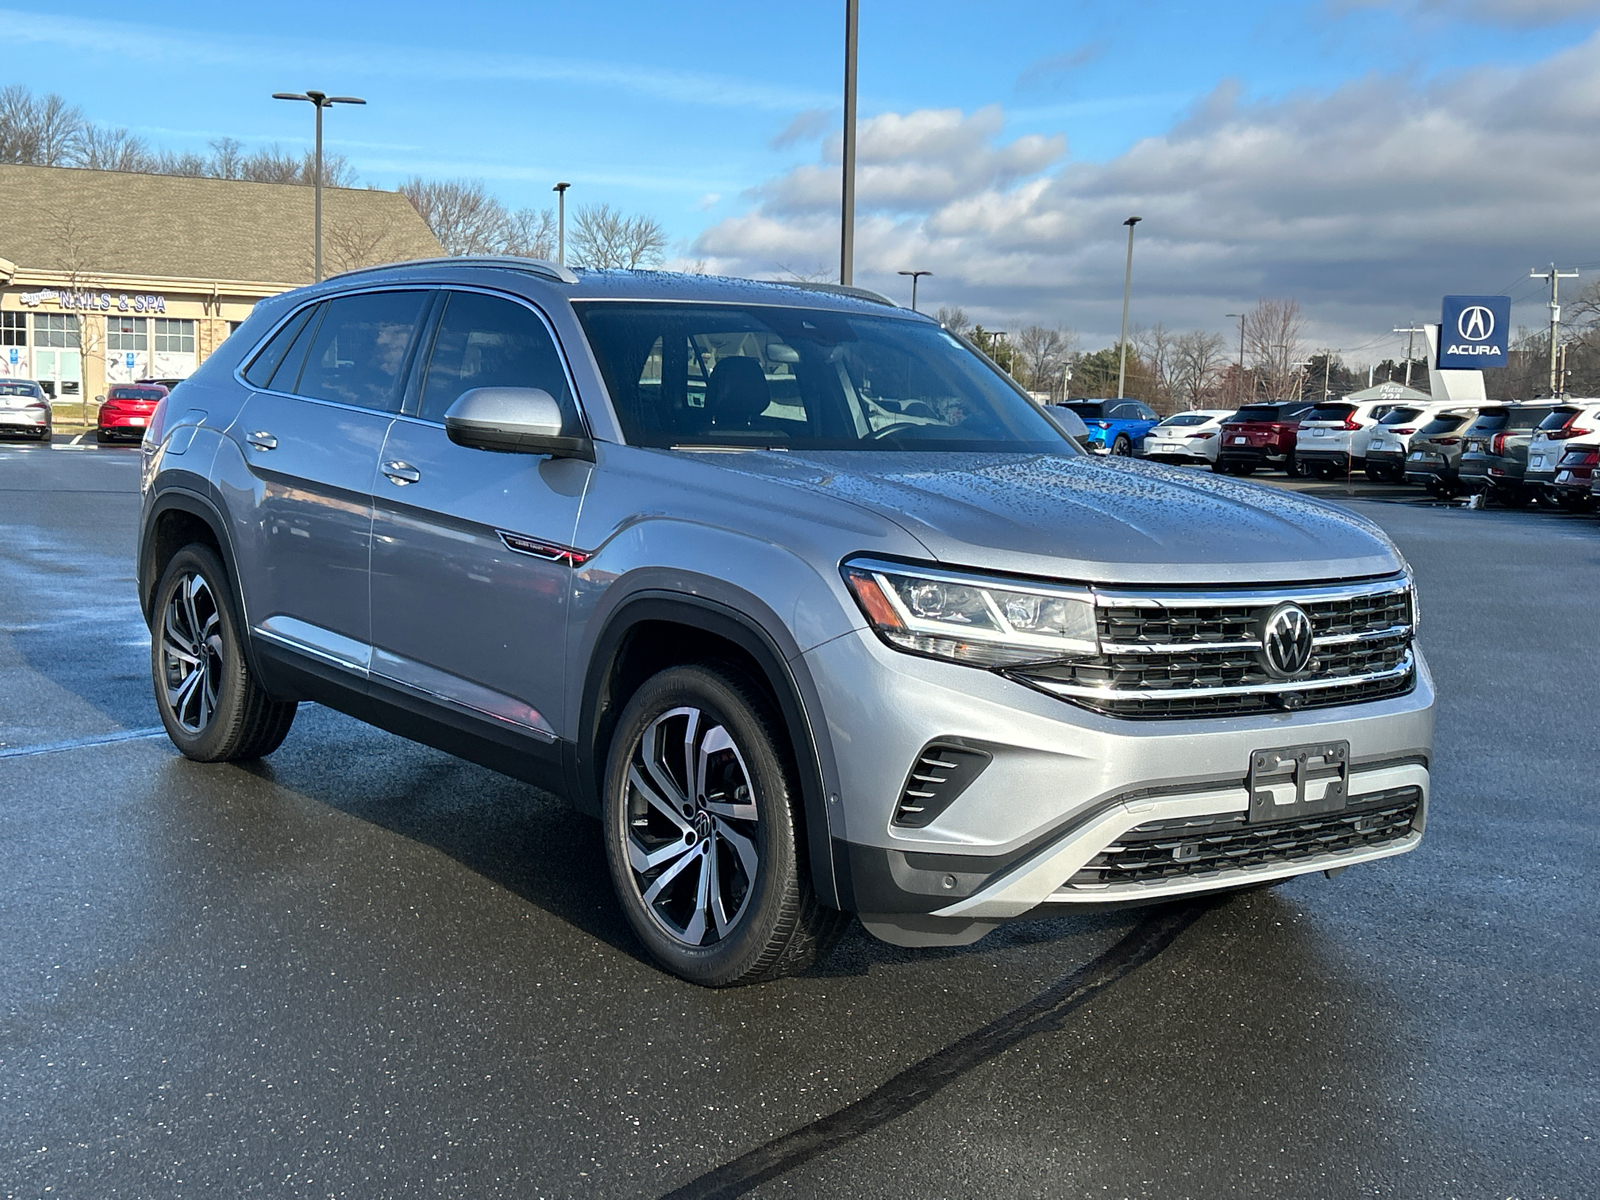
[725, 698]
[210, 744]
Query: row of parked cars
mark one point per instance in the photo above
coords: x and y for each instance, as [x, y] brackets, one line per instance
[1513, 453]
[125, 410]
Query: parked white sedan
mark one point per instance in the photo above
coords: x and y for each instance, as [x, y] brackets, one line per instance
[1186, 437]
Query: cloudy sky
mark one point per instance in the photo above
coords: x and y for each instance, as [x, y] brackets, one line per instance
[1364, 159]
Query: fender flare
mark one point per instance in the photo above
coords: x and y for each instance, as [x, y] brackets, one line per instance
[786, 676]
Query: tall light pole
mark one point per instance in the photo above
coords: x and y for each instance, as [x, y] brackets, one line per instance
[1239, 384]
[847, 224]
[560, 190]
[915, 275]
[319, 101]
[1127, 289]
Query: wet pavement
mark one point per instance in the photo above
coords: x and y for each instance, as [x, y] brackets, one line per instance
[363, 968]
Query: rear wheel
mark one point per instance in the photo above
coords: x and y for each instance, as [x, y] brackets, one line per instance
[212, 706]
[1244, 469]
[1122, 447]
[701, 832]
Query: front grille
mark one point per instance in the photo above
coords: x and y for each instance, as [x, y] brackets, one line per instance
[1172, 655]
[1210, 846]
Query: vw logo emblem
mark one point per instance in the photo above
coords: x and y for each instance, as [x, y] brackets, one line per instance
[1475, 324]
[1286, 641]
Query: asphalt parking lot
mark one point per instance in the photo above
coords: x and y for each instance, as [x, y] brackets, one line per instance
[362, 968]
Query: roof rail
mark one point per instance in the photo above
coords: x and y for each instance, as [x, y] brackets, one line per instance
[507, 262]
[838, 289]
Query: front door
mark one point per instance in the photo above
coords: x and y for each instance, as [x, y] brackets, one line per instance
[312, 438]
[472, 556]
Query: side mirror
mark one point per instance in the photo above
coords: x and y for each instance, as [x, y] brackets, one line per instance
[512, 420]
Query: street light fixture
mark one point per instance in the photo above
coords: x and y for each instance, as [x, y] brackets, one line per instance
[1238, 387]
[915, 275]
[320, 101]
[560, 190]
[1127, 288]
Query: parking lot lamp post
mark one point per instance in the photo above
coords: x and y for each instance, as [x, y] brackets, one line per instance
[847, 208]
[560, 190]
[915, 275]
[1238, 385]
[1127, 288]
[319, 101]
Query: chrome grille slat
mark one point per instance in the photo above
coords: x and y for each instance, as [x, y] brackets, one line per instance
[1170, 653]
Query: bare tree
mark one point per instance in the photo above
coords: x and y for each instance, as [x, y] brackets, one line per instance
[817, 274]
[603, 238]
[1272, 334]
[1157, 347]
[953, 319]
[530, 233]
[42, 132]
[1042, 357]
[462, 214]
[1198, 359]
[348, 244]
[227, 159]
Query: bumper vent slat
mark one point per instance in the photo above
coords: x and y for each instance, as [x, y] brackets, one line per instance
[940, 774]
[1179, 849]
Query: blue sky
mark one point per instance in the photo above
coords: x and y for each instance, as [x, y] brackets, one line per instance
[677, 110]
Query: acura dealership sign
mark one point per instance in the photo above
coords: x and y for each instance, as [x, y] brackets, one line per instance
[1473, 332]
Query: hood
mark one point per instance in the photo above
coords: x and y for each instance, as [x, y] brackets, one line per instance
[1095, 520]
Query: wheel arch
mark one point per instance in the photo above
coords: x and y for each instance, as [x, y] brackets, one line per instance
[630, 648]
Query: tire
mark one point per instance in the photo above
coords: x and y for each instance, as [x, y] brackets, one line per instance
[212, 706]
[665, 846]
[1221, 468]
[1122, 447]
[101, 436]
[1293, 468]
[1242, 469]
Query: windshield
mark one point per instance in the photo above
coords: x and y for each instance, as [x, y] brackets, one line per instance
[692, 375]
[1186, 419]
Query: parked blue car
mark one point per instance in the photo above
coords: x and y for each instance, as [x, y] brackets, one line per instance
[1115, 426]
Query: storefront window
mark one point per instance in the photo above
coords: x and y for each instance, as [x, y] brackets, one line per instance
[174, 336]
[56, 329]
[127, 333]
[13, 329]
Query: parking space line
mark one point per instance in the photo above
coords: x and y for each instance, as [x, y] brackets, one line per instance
[899, 1095]
[104, 739]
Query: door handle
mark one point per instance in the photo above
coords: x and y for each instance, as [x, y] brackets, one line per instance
[401, 473]
[262, 440]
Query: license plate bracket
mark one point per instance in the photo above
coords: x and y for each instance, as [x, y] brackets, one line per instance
[1294, 781]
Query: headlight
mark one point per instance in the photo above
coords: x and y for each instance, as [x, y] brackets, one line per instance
[973, 619]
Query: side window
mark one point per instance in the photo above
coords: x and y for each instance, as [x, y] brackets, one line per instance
[260, 372]
[487, 341]
[1146, 414]
[359, 349]
[288, 372]
[1125, 412]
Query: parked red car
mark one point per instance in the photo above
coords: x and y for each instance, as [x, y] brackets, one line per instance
[1261, 435]
[127, 410]
[1575, 477]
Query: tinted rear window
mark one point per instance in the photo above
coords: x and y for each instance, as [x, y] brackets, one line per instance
[1559, 418]
[1330, 412]
[19, 389]
[359, 349]
[1491, 420]
[1527, 418]
[1186, 419]
[1441, 425]
[1399, 416]
[1084, 409]
[1257, 412]
[135, 393]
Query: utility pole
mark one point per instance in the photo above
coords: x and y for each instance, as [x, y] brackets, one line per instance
[560, 190]
[1411, 332]
[1555, 277]
[847, 225]
[1127, 289]
[1238, 386]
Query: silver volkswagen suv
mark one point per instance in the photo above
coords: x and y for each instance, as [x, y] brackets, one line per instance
[794, 590]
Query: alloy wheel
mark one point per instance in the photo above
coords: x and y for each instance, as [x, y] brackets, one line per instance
[692, 827]
[191, 652]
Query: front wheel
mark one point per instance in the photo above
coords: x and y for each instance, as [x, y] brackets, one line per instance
[701, 832]
[210, 702]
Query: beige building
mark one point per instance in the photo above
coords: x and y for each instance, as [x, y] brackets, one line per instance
[110, 277]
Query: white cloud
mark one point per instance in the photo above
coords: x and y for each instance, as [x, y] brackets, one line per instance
[1366, 203]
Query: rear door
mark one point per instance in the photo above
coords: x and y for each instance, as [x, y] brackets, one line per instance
[328, 388]
[472, 550]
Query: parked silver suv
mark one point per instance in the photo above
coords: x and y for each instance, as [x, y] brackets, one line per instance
[793, 589]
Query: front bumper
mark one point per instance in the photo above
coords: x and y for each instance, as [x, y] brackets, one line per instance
[1062, 784]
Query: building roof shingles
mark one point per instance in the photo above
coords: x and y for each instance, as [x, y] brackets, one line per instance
[170, 226]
